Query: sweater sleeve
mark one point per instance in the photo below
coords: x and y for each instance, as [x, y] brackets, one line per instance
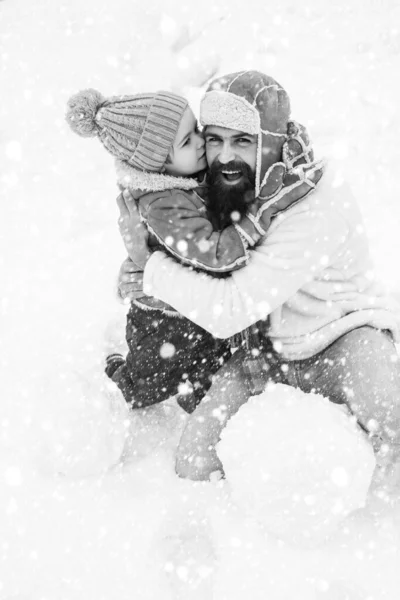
[297, 247]
[180, 223]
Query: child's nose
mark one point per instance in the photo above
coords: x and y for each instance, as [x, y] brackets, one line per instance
[200, 141]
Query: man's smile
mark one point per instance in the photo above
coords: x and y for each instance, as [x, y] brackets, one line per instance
[231, 176]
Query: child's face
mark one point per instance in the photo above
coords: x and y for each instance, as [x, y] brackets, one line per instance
[187, 156]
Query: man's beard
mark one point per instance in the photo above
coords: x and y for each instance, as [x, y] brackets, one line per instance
[229, 202]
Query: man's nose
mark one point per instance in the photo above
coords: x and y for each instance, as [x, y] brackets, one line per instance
[226, 154]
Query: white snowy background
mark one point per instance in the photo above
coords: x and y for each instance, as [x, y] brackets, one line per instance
[72, 525]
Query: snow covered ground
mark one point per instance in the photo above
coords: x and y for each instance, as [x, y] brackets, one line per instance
[97, 533]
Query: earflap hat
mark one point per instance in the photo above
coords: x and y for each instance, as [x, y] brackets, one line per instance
[257, 104]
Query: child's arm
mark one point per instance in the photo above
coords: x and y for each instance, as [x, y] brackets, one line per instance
[135, 236]
[179, 221]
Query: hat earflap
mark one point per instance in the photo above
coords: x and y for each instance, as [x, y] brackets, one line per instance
[297, 149]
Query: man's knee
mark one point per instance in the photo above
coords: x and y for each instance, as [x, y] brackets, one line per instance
[196, 459]
[193, 466]
[370, 341]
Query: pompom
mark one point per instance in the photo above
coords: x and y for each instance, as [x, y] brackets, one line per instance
[82, 111]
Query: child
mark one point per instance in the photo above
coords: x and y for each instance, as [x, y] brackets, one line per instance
[161, 159]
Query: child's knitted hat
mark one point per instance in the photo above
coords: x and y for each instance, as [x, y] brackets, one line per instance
[138, 129]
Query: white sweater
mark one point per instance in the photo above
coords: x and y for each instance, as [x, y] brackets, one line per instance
[312, 275]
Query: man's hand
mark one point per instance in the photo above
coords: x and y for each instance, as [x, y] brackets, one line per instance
[133, 232]
[130, 281]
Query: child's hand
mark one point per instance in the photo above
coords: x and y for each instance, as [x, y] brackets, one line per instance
[296, 186]
[283, 188]
[291, 180]
[133, 232]
[130, 281]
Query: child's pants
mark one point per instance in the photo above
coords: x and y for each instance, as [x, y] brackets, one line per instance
[168, 356]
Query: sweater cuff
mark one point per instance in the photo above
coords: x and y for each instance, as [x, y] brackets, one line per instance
[153, 266]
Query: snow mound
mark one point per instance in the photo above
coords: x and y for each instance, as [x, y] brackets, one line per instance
[153, 427]
[83, 425]
[296, 462]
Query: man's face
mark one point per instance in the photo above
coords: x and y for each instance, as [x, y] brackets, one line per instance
[231, 156]
[229, 148]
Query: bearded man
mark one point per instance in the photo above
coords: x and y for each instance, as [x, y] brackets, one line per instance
[322, 322]
[209, 227]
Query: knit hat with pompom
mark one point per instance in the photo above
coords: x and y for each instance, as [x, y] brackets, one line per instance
[138, 129]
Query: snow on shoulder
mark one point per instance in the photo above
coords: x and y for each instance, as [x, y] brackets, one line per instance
[296, 462]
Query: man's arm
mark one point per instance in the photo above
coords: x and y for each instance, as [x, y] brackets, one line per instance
[298, 246]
